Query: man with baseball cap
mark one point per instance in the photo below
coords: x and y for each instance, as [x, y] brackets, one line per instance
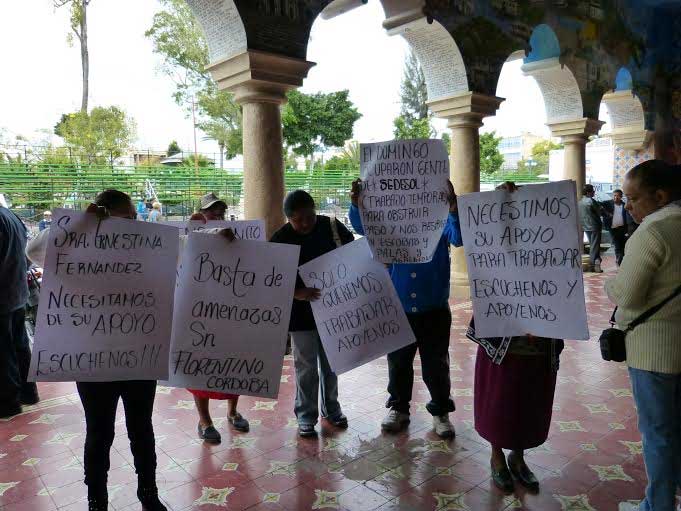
[212, 208]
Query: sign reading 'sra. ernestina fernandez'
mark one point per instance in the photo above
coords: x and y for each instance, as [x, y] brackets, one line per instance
[232, 310]
[403, 198]
[525, 261]
[106, 303]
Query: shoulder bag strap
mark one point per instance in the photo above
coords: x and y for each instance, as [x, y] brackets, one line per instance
[643, 317]
[335, 233]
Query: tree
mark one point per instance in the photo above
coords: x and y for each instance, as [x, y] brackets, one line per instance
[78, 24]
[539, 162]
[413, 91]
[491, 159]
[102, 133]
[173, 148]
[179, 40]
[315, 121]
[418, 128]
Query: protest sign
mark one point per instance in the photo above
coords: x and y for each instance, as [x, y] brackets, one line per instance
[232, 310]
[359, 315]
[403, 199]
[525, 262]
[243, 229]
[106, 303]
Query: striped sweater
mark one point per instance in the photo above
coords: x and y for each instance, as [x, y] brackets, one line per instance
[650, 271]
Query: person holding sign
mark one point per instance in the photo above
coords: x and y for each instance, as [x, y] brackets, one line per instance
[100, 399]
[424, 292]
[316, 235]
[212, 208]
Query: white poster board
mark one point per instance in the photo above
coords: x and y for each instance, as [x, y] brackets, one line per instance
[359, 315]
[106, 302]
[403, 199]
[524, 261]
[232, 310]
[243, 229]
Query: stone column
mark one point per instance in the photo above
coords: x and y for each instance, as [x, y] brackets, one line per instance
[575, 135]
[464, 113]
[259, 82]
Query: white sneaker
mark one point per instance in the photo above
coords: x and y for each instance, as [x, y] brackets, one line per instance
[443, 428]
[628, 506]
[395, 421]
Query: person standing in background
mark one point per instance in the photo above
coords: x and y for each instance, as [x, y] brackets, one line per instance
[46, 221]
[155, 214]
[618, 221]
[590, 212]
[15, 353]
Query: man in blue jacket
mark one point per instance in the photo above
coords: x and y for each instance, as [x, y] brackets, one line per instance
[424, 292]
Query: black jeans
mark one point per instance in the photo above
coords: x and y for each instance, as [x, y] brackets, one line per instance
[619, 239]
[432, 330]
[100, 400]
[15, 359]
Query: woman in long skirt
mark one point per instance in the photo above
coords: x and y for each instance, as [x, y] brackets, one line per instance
[506, 370]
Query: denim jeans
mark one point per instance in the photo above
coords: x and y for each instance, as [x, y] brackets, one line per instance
[431, 330]
[310, 360]
[100, 400]
[594, 246]
[658, 399]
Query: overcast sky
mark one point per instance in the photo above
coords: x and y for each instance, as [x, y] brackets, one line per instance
[41, 73]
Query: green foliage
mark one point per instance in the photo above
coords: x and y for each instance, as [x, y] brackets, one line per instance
[178, 38]
[413, 91]
[173, 148]
[314, 121]
[491, 159]
[540, 158]
[417, 128]
[103, 133]
[447, 139]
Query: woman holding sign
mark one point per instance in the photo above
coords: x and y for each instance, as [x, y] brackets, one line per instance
[316, 235]
[505, 369]
[212, 208]
[100, 399]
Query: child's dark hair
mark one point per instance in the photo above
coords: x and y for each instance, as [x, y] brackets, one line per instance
[113, 199]
[296, 200]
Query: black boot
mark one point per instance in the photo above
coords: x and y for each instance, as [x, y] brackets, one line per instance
[148, 496]
[97, 501]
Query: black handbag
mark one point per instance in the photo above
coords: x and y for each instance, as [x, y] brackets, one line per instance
[613, 347]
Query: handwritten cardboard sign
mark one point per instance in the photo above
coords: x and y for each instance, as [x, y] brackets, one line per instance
[232, 308]
[243, 229]
[403, 199]
[106, 303]
[359, 315]
[524, 261]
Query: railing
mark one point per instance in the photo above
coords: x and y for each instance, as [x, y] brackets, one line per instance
[35, 187]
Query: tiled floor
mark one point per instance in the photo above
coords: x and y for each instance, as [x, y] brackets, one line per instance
[592, 459]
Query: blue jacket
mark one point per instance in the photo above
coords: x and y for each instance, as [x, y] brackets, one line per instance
[422, 287]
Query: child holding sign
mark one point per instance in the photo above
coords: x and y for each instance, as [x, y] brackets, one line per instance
[212, 208]
[100, 399]
[316, 235]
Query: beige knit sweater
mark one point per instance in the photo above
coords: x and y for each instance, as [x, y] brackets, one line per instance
[650, 271]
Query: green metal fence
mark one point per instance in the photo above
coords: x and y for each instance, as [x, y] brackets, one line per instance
[34, 187]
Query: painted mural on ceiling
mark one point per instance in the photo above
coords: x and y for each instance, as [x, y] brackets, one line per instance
[595, 39]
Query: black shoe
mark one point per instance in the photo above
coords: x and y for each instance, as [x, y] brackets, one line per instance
[521, 472]
[149, 499]
[502, 479]
[306, 430]
[9, 410]
[29, 394]
[209, 434]
[339, 421]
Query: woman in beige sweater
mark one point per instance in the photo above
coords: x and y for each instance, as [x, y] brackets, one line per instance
[651, 272]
